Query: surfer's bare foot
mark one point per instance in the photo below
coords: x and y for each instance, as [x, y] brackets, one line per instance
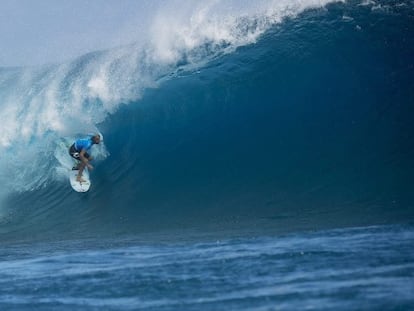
[80, 179]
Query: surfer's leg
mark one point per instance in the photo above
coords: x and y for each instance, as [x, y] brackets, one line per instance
[75, 155]
[81, 168]
[76, 166]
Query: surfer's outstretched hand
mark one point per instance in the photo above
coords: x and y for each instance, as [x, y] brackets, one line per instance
[90, 167]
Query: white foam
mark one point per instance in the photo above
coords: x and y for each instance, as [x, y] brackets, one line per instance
[219, 24]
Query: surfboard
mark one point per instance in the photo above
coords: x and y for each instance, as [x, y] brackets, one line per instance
[80, 186]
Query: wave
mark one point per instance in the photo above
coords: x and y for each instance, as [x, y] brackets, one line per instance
[294, 112]
[42, 104]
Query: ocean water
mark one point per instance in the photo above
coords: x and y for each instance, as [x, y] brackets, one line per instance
[368, 268]
[255, 156]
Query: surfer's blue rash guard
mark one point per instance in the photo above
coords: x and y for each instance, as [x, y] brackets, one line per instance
[85, 143]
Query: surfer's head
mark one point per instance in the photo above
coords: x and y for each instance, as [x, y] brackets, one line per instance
[96, 139]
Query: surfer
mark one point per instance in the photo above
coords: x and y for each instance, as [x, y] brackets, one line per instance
[78, 151]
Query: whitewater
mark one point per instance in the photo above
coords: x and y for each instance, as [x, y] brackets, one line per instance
[256, 156]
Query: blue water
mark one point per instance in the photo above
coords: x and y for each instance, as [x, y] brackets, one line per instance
[259, 161]
[348, 269]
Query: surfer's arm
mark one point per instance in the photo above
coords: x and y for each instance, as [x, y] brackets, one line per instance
[84, 159]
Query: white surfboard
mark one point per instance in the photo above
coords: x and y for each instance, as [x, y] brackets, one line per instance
[80, 186]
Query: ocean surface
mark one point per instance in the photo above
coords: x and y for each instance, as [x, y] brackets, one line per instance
[370, 268]
[254, 158]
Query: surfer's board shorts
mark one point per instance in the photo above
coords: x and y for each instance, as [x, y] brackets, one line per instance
[75, 153]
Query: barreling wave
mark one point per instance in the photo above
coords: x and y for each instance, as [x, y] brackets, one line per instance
[41, 104]
[282, 111]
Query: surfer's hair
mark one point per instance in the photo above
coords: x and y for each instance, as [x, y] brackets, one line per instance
[96, 136]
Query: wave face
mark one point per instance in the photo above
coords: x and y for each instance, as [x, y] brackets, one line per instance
[289, 116]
